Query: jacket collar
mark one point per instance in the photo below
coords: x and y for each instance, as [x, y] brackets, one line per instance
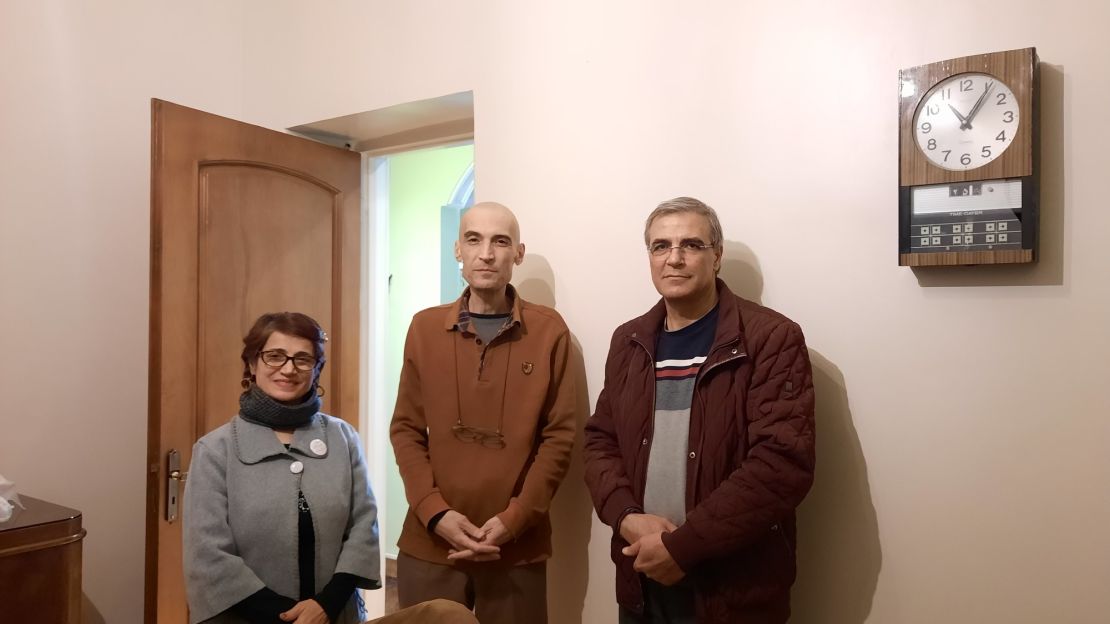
[458, 313]
[254, 442]
[645, 329]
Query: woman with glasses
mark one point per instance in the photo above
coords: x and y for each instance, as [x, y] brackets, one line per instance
[279, 522]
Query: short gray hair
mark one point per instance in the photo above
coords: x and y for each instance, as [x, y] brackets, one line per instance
[688, 204]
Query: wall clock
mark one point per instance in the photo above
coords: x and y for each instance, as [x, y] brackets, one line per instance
[968, 174]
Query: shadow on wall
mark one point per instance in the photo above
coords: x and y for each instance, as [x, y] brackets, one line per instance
[740, 270]
[568, 570]
[839, 555]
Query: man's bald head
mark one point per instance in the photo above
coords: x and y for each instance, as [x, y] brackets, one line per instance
[489, 247]
[491, 215]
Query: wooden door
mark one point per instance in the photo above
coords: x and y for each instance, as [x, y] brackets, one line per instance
[244, 220]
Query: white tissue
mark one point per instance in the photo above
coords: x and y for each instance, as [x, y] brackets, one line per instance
[8, 499]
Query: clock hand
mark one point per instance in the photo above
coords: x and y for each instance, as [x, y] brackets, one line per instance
[978, 105]
[963, 120]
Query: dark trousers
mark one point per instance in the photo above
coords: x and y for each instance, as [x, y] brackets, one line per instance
[663, 604]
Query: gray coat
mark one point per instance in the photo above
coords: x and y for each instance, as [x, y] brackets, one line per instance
[240, 514]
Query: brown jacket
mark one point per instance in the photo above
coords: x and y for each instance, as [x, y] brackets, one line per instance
[750, 463]
[523, 380]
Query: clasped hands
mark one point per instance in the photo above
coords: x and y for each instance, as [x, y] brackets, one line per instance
[644, 534]
[470, 542]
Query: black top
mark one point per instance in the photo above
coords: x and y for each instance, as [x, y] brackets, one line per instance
[306, 548]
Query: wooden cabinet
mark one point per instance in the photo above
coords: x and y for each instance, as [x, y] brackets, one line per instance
[40, 564]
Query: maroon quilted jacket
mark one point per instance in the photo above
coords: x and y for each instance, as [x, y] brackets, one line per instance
[750, 462]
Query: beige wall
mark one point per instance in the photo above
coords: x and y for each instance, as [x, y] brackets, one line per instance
[75, 83]
[964, 444]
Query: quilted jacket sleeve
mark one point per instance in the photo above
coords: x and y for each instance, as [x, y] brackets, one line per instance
[777, 470]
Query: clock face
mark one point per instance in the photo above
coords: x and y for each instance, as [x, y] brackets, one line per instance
[966, 121]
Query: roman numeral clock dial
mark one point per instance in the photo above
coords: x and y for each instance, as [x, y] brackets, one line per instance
[966, 121]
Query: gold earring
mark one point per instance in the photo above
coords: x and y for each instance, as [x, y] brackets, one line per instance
[320, 390]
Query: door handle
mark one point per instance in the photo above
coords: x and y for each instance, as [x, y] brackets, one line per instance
[175, 478]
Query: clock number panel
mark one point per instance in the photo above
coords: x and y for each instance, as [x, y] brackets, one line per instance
[966, 121]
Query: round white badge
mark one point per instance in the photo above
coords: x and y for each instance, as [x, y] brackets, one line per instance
[318, 446]
[296, 467]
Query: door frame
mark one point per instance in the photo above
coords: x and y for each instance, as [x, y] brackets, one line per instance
[375, 414]
[378, 413]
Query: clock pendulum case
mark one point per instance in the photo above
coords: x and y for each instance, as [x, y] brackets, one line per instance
[968, 160]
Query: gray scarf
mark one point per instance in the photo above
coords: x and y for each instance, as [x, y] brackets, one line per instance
[260, 408]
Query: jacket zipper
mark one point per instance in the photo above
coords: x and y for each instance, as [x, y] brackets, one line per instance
[739, 354]
[651, 434]
[701, 374]
[697, 391]
[651, 420]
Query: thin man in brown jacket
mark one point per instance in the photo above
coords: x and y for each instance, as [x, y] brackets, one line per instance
[702, 442]
[482, 431]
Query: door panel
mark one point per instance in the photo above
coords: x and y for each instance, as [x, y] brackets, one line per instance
[266, 243]
[244, 220]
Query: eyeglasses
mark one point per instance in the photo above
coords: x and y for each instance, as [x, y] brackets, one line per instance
[486, 437]
[660, 249]
[277, 359]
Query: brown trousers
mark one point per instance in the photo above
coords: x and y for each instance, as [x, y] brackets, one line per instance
[498, 595]
[438, 611]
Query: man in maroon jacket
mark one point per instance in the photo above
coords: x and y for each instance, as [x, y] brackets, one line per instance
[702, 443]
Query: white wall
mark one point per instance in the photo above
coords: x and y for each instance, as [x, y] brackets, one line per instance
[75, 83]
[964, 445]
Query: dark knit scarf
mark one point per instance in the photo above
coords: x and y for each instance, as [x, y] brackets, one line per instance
[260, 408]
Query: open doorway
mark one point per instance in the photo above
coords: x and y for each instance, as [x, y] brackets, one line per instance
[420, 196]
[418, 177]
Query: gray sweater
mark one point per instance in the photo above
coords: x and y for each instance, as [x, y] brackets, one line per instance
[240, 514]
